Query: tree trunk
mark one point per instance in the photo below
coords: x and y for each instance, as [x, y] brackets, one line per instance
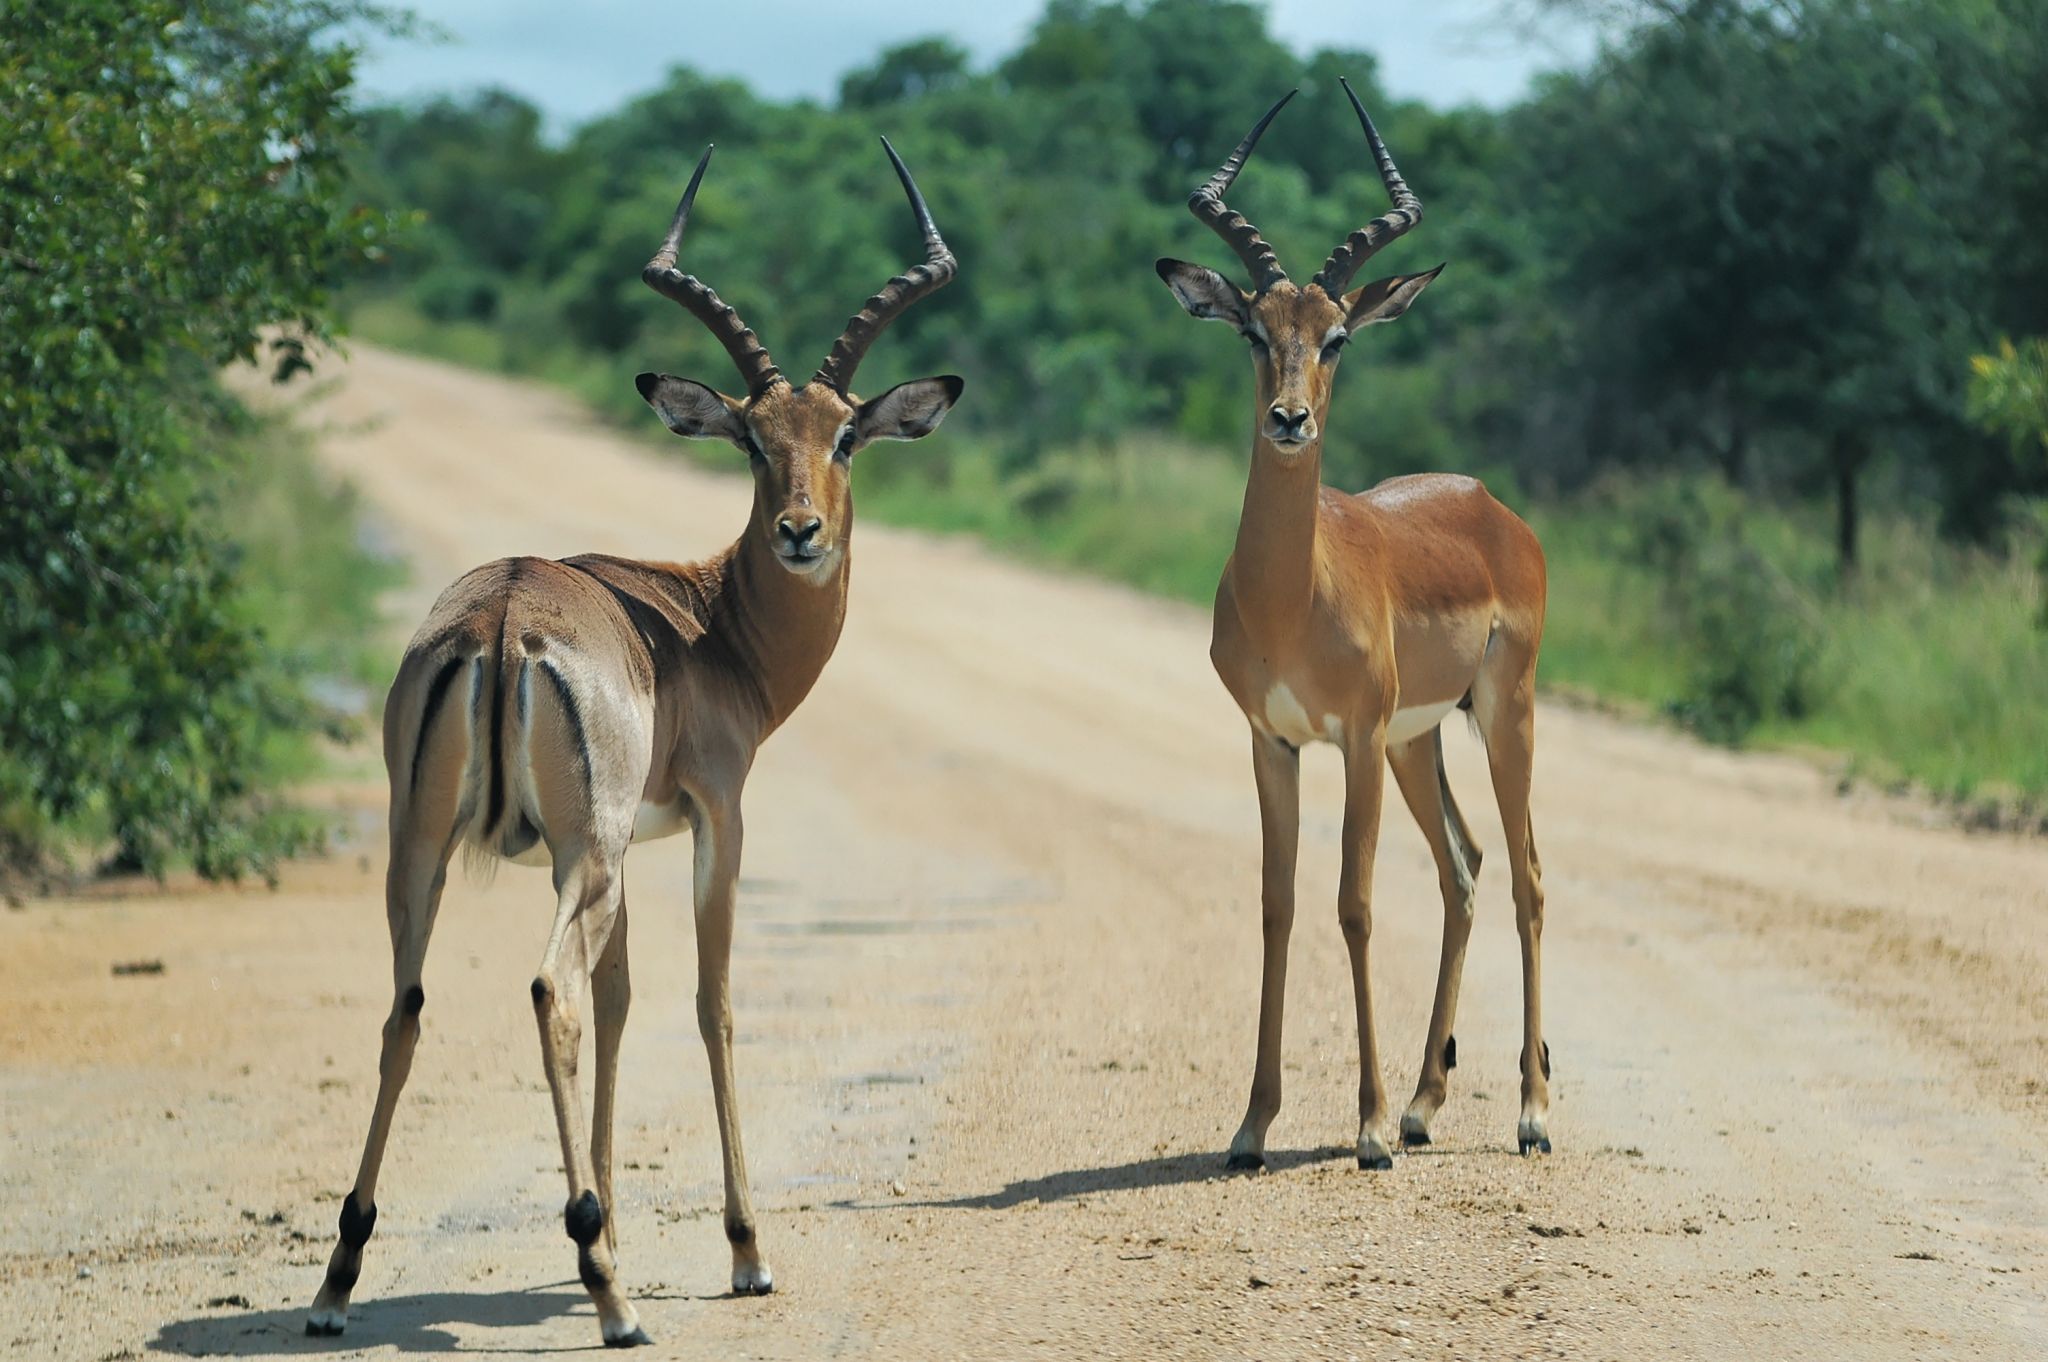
[1848, 451]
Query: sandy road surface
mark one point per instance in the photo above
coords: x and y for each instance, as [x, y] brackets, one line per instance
[998, 947]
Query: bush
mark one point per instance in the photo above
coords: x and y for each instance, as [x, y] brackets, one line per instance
[1750, 640]
[170, 185]
[457, 293]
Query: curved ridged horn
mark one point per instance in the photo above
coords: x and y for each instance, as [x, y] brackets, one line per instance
[1335, 275]
[896, 296]
[1206, 203]
[739, 340]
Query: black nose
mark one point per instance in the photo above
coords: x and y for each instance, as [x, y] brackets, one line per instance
[1286, 422]
[798, 529]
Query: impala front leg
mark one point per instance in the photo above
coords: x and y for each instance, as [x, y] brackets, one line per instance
[718, 870]
[1278, 769]
[1365, 776]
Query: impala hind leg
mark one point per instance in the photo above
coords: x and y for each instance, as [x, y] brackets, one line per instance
[412, 892]
[1507, 717]
[611, 995]
[589, 896]
[1418, 768]
[1365, 787]
[1277, 768]
[718, 837]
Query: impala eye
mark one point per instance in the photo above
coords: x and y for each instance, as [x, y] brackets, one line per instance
[752, 446]
[1258, 342]
[1333, 345]
[844, 450]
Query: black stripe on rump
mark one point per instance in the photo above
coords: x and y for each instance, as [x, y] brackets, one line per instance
[437, 691]
[570, 712]
[496, 809]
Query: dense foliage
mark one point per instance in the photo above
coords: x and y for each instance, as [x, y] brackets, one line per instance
[1762, 238]
[171, 183]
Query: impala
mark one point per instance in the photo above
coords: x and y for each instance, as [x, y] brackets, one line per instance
[1363, 620]
[554, 712]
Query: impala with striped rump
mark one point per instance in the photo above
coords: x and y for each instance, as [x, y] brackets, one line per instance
[556, 712]
[1362, 621]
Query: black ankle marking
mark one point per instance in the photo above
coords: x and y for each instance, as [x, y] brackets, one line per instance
[540, 992]
[738, 1235]
[343, 1279]
[584, 1219]
[356, 1225]
[1546, 1061]
[1450, 1052]
[415, 999]
[593, 1277]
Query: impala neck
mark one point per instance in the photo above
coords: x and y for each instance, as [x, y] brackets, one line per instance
[784, 626]
[1273, 568]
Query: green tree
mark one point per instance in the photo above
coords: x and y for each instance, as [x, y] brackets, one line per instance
[905, 72]
[171, 184]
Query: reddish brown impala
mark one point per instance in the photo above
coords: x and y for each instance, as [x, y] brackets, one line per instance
[1363, 621]
[556, 712]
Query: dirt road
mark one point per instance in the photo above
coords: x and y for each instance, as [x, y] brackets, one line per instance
[995, 986]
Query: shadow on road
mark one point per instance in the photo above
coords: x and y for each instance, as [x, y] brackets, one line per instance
[411, 1324]
[1167, 1171]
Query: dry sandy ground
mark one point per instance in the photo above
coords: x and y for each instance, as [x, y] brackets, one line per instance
[995, 985]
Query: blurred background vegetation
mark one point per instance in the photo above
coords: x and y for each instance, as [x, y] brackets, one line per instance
[1746, 316]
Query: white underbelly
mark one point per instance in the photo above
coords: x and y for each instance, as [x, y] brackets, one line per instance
[650, 821]
[1417, 720]
[1285, 718]
[653, 821]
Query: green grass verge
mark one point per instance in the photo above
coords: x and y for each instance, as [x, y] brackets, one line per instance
[311, 582]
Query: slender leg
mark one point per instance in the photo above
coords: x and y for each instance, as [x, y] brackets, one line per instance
[586, 909]
[1277, 768]
[412, 894]
[1418, 767]
[1365, 784]
[1510, 751]
[611, 990]
[718, 835]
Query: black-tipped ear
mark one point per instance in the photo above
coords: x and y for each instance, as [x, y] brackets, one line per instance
[1385, 299]
[908, 411]
[692, 410]
[1205, 294]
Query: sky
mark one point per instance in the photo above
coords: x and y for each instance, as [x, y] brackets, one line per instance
[584, 57]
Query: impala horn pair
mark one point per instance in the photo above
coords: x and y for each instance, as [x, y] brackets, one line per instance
[1206, 203]
[756, 366]
[759, 370]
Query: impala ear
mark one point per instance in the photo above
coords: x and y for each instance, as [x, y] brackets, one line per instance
[692, 410]
[908, 411]
[1206, 295]
[1385, 299]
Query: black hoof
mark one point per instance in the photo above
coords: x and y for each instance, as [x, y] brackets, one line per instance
[1378, 1163]
[1410, 1139]
[322, 1330]
[1541, 1146]
[1245, 1163]
[637, 1339]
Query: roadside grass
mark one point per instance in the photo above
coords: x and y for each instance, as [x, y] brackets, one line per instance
[311, 581]
[1931, 669]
